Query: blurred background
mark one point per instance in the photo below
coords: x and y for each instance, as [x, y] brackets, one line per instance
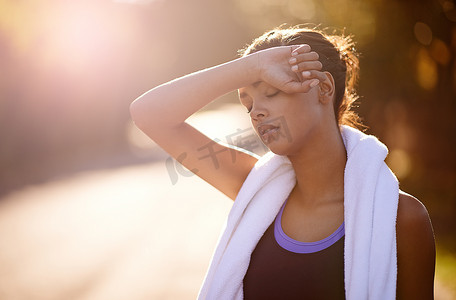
[90, 209]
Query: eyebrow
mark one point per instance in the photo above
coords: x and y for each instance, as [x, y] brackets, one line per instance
[255, 85]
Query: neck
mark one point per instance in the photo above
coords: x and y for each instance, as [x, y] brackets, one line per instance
[320, 169]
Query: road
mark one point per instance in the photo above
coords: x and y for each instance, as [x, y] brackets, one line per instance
[109, 234]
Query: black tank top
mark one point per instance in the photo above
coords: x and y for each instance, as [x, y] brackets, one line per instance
[276, 273]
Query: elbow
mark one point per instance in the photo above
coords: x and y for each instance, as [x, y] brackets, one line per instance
[137, 113]
[145, 117]
[134, 110]
[150, 116]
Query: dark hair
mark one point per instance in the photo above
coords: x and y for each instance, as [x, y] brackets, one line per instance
[337, 55]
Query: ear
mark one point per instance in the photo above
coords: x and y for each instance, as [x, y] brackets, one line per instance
[327, 88]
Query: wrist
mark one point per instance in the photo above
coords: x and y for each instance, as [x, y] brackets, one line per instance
[251, 66]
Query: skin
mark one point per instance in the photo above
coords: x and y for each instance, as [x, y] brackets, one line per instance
[415, 250]
[283, 83]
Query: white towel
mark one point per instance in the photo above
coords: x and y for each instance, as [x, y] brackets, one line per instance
[371, 194]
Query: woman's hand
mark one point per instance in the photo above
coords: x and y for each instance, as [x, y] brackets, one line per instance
[292, 69]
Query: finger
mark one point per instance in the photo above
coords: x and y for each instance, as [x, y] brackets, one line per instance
[308, 75]
[307, 66]
[308, 56]
[300, 87]
[298, 49]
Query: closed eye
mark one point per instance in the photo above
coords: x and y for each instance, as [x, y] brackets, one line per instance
[273, 94]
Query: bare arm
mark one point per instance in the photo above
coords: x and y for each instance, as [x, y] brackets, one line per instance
[162, 111]
[170, 104]
[415, 250]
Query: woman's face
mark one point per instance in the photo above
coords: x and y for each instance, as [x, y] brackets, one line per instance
[284, 122]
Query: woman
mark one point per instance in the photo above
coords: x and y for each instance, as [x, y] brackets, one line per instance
[324, 188]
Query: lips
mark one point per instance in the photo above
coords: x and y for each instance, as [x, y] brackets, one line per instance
[266, 130]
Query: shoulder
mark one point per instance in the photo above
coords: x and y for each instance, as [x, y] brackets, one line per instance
[411, 212]
[415, 249]
[413, 226]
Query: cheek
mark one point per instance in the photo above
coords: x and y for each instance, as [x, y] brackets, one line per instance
[303, 110]
[302, 118]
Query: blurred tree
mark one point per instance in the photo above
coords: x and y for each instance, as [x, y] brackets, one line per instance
[70, 70]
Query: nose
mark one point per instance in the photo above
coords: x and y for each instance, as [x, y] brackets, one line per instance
[258, 112]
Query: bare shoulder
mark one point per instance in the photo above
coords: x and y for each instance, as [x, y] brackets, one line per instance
[415, 249]
[411, 212]
[414, 226]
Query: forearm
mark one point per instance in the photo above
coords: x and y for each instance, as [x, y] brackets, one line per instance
[170, 104]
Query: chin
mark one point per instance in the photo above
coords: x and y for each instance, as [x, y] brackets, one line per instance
[283, 148]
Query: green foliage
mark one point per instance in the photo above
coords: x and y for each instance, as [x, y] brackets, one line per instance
[446, 268]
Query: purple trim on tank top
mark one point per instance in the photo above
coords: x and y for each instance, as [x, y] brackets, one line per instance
[295, 246]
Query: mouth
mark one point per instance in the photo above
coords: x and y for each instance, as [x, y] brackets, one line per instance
[266, 131]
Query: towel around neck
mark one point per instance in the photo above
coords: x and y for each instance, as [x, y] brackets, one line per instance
[371, 194]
